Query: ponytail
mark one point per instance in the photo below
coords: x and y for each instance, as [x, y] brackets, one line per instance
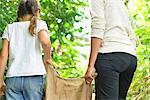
[29, 7]
[33, 21]
[33, 24]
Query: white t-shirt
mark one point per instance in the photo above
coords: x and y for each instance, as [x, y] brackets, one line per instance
[25, 56]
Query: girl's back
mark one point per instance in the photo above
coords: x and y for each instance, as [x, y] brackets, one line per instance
[24, 50]
[21, 46]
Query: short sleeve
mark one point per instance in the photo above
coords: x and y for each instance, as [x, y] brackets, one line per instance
[41, 25]
[5, 34]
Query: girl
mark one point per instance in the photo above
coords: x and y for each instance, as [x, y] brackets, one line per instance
[21, 47]
[113, 53]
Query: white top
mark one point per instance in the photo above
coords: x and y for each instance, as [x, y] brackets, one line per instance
[110, 22]
[25, 56]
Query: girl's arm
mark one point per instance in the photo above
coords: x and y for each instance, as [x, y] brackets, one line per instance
[3, 62]
[46, 45]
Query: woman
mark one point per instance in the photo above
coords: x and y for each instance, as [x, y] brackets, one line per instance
[22, 48]
[113, 52]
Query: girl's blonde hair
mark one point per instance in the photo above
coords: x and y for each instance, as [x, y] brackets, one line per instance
[29, 7]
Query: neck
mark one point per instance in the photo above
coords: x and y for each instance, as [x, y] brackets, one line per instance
[26, 18]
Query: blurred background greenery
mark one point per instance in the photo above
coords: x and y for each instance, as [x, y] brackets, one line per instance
[70, 39]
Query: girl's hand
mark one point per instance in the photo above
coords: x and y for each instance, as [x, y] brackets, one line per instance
[2, 88]
[89, 75]
[47, 63]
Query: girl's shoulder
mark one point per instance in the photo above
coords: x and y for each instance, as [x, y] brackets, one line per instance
[21, 22]
[18, 24]
[25, 24]
[39, 22]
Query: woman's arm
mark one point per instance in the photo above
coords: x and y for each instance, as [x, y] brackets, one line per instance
[95, 46]
[98, 29]
[3, 62]
[46, 45]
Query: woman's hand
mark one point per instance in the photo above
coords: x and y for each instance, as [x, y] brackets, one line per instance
[89, 75]
[95, 46]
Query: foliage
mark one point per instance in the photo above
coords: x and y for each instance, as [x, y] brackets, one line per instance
[60, 15]
[0, 43]
[140, 87]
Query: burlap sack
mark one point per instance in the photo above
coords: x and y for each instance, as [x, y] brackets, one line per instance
[66, 89]
[2, 98]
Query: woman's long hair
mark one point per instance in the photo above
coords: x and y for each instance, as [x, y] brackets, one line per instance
[29, 7]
